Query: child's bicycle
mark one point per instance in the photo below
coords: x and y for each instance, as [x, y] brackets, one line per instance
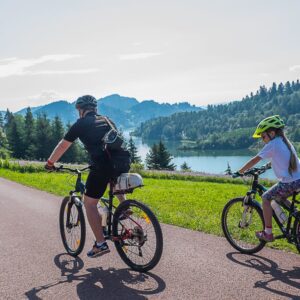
[243, 216]
[132, 226]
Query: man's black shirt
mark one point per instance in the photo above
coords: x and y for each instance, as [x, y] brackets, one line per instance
[90, 130]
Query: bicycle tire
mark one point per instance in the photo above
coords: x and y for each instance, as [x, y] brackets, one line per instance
[67, 207]
[134, 219]
[296, 232]
[231, 223]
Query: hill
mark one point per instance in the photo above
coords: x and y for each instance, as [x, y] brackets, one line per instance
[230, 126]
[126, 112]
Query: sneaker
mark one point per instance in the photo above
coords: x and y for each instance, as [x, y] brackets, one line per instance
[98, 250]
[263, 236]
[128, 212]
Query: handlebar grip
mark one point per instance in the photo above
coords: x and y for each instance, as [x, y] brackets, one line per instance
[236, 174]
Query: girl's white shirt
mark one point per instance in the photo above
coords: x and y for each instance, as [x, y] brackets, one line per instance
[279, 154]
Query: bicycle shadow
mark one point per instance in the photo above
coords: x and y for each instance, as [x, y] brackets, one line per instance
[99, 283]
[269, 267]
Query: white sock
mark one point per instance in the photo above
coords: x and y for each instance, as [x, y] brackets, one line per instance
[268, 230]
[100, 244]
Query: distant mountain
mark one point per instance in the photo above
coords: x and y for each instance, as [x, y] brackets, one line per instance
[124, 111]
[118, 102]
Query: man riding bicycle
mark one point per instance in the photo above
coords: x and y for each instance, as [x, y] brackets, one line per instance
[90, 128]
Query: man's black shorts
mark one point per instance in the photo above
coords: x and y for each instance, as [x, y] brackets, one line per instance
[97, 182]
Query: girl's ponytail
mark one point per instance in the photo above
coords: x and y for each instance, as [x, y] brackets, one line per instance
[293, 158]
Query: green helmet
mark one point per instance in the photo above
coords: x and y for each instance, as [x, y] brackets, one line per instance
[86, 102]
[267, 123]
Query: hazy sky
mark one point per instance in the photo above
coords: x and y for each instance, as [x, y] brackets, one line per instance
[190, 50]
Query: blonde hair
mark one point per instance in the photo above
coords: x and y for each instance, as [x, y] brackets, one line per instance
[293, 158]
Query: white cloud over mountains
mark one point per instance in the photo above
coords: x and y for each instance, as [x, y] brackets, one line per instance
[14, 66]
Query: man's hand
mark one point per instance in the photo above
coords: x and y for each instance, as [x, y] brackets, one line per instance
[50, 166]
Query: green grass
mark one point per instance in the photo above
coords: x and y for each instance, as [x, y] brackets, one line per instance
[189, 204]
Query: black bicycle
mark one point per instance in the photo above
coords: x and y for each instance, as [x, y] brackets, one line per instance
[131, 225]
[243, 216]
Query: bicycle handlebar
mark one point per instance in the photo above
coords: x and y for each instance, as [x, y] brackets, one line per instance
[252, 171]
[76, 171]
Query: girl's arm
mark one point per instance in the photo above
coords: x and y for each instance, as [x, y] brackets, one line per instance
[252, 162]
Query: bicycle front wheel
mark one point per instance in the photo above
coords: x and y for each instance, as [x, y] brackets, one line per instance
[138, 235]
[239, 224]
[72, 226]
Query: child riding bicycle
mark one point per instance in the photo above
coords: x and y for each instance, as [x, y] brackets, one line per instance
[285, 163]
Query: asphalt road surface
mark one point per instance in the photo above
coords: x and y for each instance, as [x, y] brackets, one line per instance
[194, 265]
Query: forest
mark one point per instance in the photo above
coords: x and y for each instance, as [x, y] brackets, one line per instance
[230, 126]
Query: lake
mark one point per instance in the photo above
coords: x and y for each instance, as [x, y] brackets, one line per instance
[213, 162]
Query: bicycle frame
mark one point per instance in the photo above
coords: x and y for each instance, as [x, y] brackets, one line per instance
[80, 188]
[260, 189]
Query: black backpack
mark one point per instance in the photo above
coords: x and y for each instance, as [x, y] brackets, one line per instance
[118, 155]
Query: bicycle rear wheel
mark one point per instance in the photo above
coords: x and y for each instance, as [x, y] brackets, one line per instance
[239, 224]
[72, 226]
[296, 231]
[138, 235]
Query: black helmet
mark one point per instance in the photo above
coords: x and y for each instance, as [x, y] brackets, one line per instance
[86, 102]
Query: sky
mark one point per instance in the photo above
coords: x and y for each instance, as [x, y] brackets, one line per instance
[203, 52]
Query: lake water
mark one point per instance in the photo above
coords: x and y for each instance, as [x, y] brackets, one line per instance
[213, 162]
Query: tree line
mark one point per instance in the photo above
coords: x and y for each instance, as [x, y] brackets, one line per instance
[32, 138]
[230, 126]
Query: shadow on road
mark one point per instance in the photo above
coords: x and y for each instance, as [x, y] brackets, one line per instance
[99, 283]
[287, 278]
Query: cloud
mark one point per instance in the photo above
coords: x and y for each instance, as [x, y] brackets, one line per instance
[14, 66]
[135, 56]
[294, 68]
[58, 72]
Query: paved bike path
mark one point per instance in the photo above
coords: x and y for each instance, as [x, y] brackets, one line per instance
[194, 265]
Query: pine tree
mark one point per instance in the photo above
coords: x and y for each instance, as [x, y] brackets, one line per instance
[280, 88]
[185, 168]
[29, 135]
[165, 158]
[152, 159]
[57, 129]
[4, 152]
[133, 152]
[43, 137]
[15, 136]
[1, 121]
[8, 118]
[287, 88]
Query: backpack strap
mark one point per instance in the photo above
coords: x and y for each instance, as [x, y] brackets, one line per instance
[109, 123]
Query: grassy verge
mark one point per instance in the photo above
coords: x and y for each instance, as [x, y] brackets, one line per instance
[189, 204]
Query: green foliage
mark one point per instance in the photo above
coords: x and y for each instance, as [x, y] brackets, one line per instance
[136, 168]
[185, 168]
[230, 126]
[35, 139]
[159, 158]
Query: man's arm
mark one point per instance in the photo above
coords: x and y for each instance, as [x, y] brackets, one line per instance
[252, 162]
[59, 150]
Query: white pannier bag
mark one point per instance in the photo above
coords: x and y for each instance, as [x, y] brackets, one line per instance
[128, 182]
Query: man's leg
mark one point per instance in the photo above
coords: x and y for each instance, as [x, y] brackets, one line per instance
[94, 218]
